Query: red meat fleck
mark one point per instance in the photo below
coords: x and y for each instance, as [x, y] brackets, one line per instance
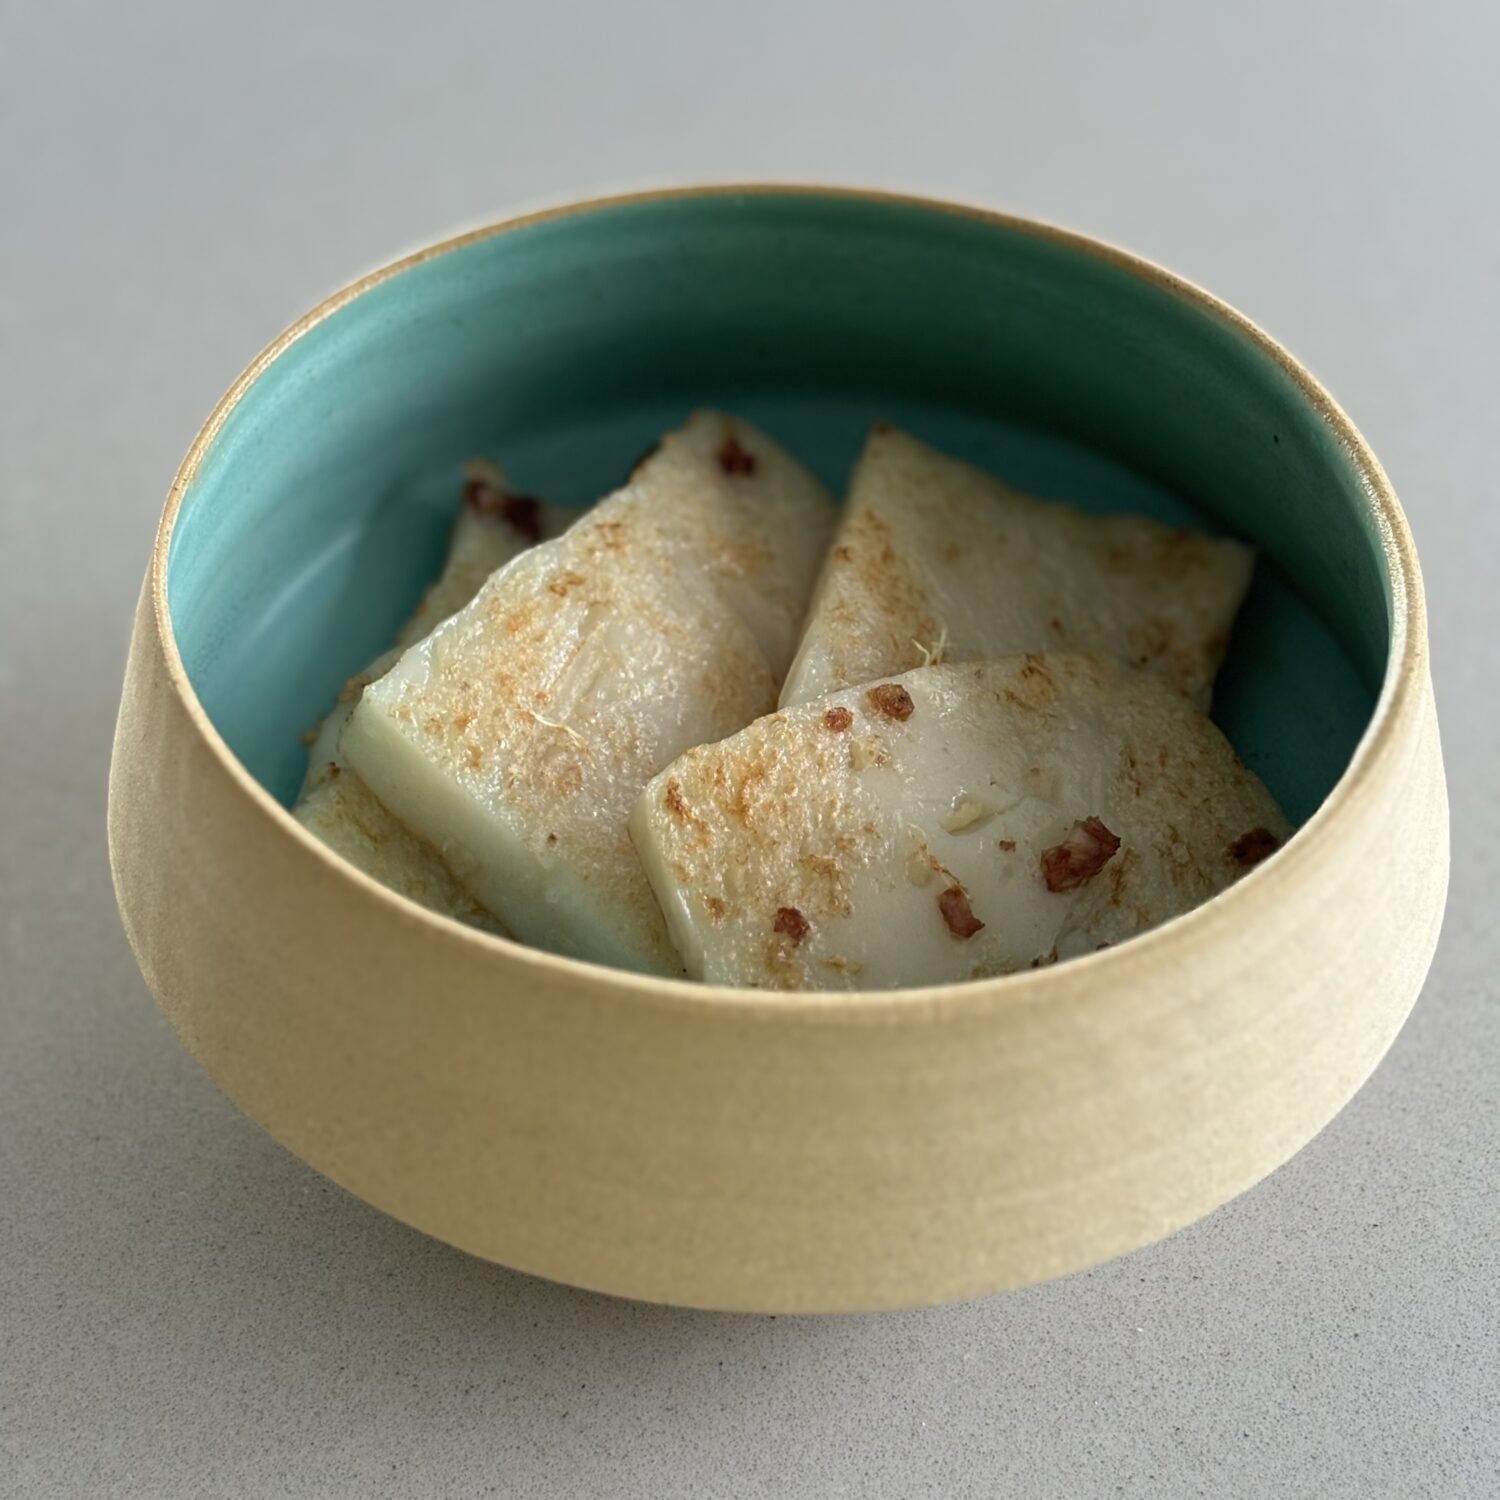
[1086, 850]
[892, 700]
[837, 719]
[522, 513]
[1250, 848]
[791, 922]
[735, 460]
[957, 913]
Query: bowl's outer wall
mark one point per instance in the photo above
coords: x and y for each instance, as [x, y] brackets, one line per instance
[786, 1153]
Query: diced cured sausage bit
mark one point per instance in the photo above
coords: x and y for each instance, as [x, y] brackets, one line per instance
[890, 699]
[523, 513]
[1088, 847]
[791, 922]
[734, 459]
[957, 913]
[1250, 848]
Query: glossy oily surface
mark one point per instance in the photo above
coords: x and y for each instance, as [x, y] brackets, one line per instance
[518, 736]
[954, 822]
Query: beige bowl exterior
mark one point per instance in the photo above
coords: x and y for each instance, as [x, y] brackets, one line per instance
[779, 1153]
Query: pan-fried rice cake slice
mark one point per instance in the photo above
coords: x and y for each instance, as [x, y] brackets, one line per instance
[518, 735]
[936, 560]
[950, 823]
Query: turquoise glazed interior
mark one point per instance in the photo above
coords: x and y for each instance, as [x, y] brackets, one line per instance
[564, 348]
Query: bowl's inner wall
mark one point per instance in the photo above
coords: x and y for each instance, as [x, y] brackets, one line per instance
[565, 348]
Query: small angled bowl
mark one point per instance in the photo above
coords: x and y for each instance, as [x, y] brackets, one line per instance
[738, 1149]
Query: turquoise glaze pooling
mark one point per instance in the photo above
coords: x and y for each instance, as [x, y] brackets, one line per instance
[565, 348]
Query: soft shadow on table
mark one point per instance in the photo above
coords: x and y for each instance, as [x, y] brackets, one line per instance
[214, 1307]
[193, 1244]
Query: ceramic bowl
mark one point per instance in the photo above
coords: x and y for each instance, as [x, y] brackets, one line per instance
[738, 1149]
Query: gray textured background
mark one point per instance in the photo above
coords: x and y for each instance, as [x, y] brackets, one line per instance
[187, 1310]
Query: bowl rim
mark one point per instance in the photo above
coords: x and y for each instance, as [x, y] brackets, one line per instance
[1398, 705]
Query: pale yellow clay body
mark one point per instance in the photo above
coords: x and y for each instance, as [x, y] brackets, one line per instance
[937, 560]
[335, 805]
[517, 736]
[781, 1152]
[956, 822]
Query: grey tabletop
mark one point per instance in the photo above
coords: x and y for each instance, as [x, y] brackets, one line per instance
[186, 1309]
